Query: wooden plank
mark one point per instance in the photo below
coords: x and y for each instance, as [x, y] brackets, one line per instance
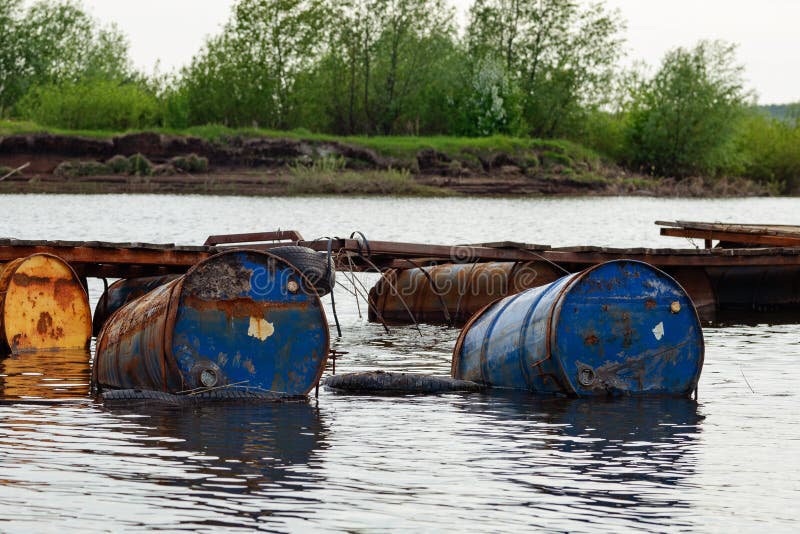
[758, 229]
[510, 244]
[106, 255]
[733, 237]
[254, 237]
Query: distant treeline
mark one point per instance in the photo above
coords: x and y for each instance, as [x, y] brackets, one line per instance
[545, 69]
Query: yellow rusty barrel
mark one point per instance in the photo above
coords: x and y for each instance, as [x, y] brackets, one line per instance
[43, 306]
[451, 292]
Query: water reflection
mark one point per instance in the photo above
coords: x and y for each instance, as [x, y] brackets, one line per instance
[237, 448]
[51, 375]
[623, 459]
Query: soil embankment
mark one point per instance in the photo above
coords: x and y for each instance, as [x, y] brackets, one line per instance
[157, 163]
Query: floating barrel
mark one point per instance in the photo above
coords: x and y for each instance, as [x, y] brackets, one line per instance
[451, 292]
[122, 292]
[238, 319]
[43, 306]
[621, 327]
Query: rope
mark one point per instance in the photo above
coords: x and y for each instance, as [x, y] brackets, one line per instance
[333, 299]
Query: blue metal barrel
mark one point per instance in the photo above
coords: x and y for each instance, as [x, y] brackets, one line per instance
[243, 319]
[621, 327]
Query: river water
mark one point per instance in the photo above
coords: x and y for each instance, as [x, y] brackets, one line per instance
[453, 462]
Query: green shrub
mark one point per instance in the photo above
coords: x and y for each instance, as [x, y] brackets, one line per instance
[771, 148]
[326, 165]
[191, 163]
[390, 182]
[140, 165]
[119, 165]
[91, 105]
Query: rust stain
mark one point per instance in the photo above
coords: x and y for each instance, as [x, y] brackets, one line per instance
[65, 292]
[44, 324]
[591, 340]
[239, 307]
[650, 304]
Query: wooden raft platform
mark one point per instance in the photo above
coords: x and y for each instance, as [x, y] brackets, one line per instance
[126, 260]
[779, 235]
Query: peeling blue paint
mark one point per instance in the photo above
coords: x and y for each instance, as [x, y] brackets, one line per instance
[590, 333]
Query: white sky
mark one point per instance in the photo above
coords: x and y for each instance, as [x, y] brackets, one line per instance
[768, 32]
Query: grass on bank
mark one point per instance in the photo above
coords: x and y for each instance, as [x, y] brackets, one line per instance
[403, 148]
[328, 177]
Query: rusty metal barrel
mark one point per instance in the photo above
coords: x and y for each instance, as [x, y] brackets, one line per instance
[240, 319]
[452, 292]
[618, 328]
[43, 306]
[122, 292]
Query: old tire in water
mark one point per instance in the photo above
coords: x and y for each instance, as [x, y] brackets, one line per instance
[381, 381]
[130, 397]
[316, 266]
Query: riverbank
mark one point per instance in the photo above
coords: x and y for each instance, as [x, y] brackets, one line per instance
[216, 160]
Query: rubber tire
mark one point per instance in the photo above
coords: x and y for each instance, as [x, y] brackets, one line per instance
[314, 265]
[146, 397]
[382, 381]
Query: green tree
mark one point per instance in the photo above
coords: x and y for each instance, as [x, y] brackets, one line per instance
[10, 51]
[683, 121]
[771, 149]
[52, 43]
[492, 102]
[382, 68]
[559, 55]
[247, 75]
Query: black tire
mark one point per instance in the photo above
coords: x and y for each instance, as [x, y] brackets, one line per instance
[314, 265]
[381, 381]
[137, 397]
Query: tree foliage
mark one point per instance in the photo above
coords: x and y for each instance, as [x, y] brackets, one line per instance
[246, 76]
[683, 121]
[90, 105]
[52, 43]
[771, 150]
[559, 54]
[545, 68]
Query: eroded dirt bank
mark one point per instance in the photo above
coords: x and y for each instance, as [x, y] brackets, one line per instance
[156, 163]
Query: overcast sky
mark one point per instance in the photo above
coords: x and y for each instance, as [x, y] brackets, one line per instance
[768, 32]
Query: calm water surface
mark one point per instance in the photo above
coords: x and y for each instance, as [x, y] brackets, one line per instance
[456, 462]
